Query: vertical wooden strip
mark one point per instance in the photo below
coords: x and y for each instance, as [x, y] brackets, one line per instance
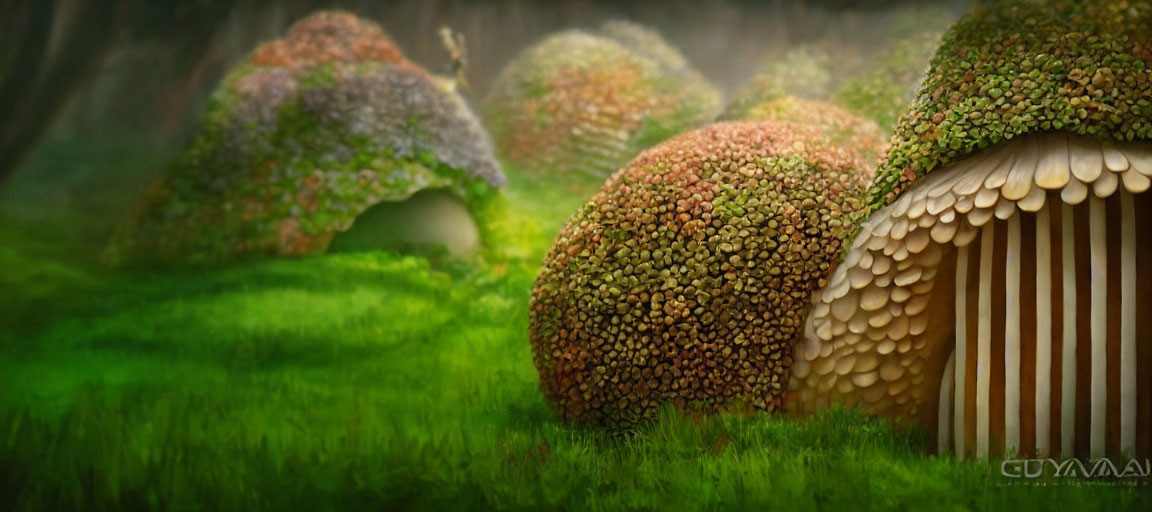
[1068, 365]
[1143, 208]
[1012, 339]
[1112, 337]
[1127, 323]
[984, 342]
[1099, 323]
[1084, 307]
[972, 326]
[996, 348]
[1043, 408]
[1027, 336]
[944, 415]
[961, 354]
[1056, 279]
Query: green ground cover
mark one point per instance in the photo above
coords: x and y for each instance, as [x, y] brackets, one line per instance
[371, 381]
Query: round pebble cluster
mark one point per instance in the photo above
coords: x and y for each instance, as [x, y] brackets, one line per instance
[836, 124]
[291, 152]
[1020, 66]
[586, 103]
[685, 279]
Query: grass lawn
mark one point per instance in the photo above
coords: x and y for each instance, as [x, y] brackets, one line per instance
[374, 381]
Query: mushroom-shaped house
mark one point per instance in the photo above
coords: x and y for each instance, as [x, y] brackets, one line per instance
[586, 103]
[684, 279]
[994, 293]
[303, 137]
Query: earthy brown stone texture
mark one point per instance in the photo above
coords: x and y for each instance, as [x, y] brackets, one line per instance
[686, 278]
[327, 37]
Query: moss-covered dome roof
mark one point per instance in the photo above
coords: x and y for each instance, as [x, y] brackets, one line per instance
[1022, 66]
[301, 138]
[586, 103]
[327, 37]
[685, 278]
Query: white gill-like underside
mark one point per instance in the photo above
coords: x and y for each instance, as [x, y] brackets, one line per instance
[870, 334]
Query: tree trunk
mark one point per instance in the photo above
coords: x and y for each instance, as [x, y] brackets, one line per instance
[37, 84]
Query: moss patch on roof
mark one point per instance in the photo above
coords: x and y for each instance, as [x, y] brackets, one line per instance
[1014, 67]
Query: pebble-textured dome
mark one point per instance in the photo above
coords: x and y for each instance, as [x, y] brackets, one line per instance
[327, 37]
[685, 278]
[1010, 68]
[587, 103]
[301, 138]
[836, 124]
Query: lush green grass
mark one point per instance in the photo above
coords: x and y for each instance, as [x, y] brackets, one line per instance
[377, 381]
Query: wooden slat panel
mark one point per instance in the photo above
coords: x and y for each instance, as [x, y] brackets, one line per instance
[1011, 358]
[999, 322]
[1056, 419]
[1128, 356]
[1042, 403]
[961, 353]
[1099, 321]
[1069, 331]
[984, 344]
[973, 324]
[1051, 358]
[1112, 327]
[1143, 209]
[1083, 358]
[1028, 312]
[944, 414]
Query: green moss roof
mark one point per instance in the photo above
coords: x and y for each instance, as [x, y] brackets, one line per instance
[302, 138]
[586, 103]
[1014, 67]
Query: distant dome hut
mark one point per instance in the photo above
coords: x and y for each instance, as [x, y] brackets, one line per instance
[586, 103]
[304, 136]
